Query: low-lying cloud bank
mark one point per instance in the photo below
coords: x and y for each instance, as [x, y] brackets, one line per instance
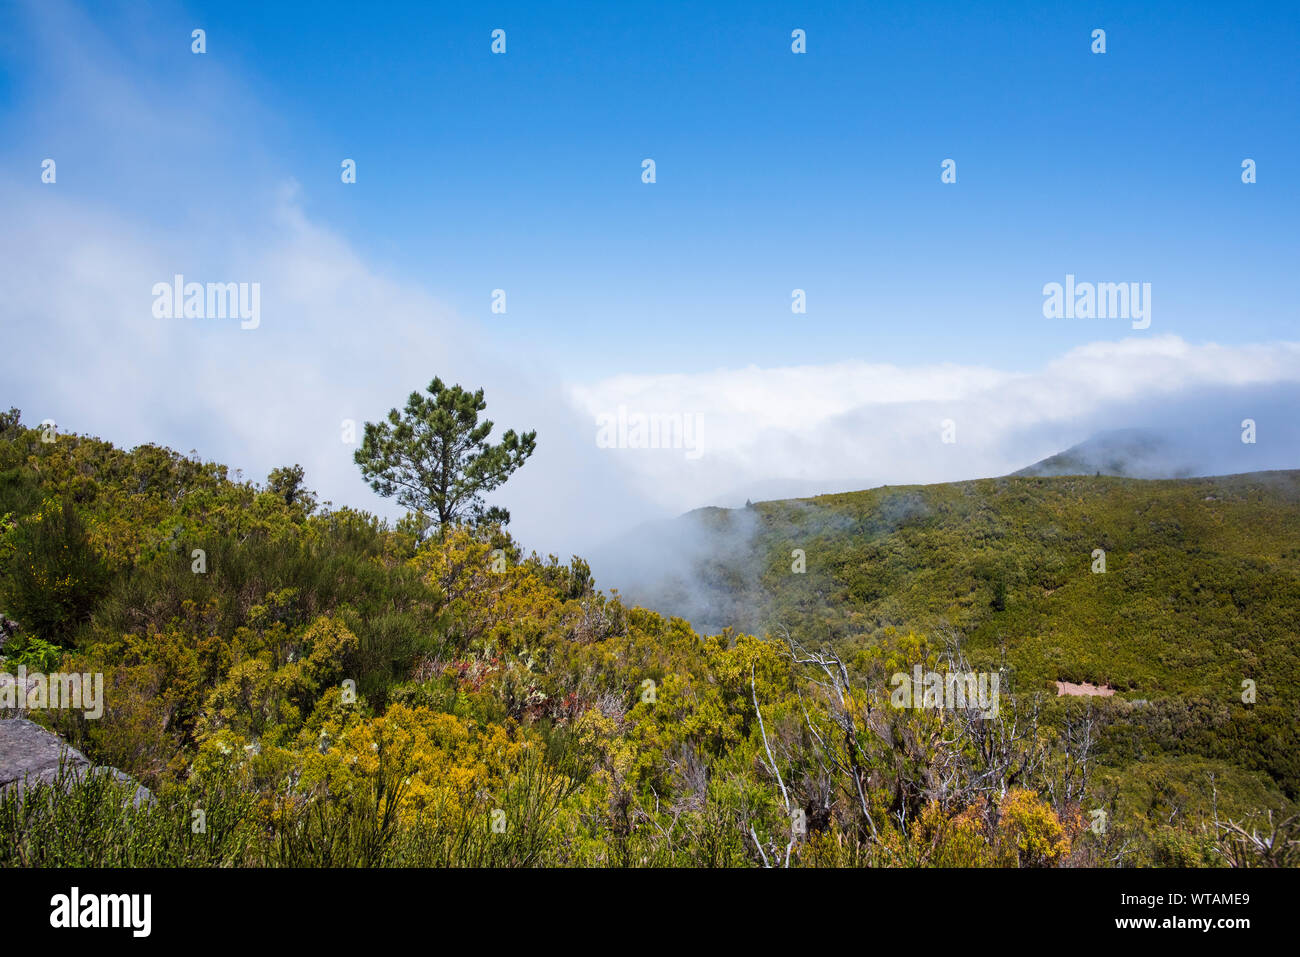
[767, 433]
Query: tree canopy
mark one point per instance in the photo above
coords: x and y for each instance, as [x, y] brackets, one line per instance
[436, 458]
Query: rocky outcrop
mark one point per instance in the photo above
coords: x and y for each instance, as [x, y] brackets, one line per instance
[29, 753]
[8, 629]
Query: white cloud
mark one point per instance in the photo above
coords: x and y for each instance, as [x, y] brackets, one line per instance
[805, 428]
[340, 340]
[337, 340]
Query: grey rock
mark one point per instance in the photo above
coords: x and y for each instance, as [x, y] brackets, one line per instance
[30, 754]
[8, 628]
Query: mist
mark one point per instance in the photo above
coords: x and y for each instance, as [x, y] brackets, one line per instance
[671, 565]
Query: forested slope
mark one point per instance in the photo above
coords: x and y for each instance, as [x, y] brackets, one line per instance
[307, 685]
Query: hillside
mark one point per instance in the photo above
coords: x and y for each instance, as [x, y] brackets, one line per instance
[1201, 589]
[329, 689]
[1127, 453]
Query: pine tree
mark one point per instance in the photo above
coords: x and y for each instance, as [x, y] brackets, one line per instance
[436, 459]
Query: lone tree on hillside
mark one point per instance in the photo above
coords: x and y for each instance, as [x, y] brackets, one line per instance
[436, 458]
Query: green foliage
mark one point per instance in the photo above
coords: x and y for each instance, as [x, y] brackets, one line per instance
[436, 459]
[287, 483]
[35, 654]
[51, 577]
[508, 714]
[1029, 832]
[1201, 591]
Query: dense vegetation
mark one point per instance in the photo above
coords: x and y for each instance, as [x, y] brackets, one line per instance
[1200, 592]
[308, 685]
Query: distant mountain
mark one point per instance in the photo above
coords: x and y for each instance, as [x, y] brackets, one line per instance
[703, 565]
[1190, 446]
[1127, 453]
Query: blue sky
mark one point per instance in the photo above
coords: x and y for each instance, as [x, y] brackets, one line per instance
[522, 171]
[775, 171]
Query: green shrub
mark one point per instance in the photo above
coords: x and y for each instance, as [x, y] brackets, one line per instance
[34, 653]
[51, 577]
